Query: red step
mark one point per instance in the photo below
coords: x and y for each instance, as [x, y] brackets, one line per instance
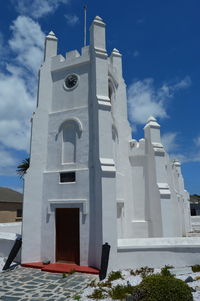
[60, 267]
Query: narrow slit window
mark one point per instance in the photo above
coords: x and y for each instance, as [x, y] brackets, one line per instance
[67, 177]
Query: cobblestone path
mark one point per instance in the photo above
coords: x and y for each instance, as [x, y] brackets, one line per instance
[31, 284]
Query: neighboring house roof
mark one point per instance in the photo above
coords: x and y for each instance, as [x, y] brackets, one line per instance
[8, 195]
[195, 198]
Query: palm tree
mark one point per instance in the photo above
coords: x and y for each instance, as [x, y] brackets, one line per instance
[22, 168]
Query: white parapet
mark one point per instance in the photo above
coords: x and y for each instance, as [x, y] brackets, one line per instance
[6, 243]
[11, 227]
[8, 234]
[158, 252]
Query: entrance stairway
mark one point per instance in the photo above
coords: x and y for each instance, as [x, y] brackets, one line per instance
[60, 267]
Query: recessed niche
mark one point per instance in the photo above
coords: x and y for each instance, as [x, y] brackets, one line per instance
[67, 177]
[69, 144]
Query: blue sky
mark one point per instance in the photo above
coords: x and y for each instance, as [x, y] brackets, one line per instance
[160, 44]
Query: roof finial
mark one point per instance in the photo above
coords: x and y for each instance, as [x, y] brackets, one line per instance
[85, 16]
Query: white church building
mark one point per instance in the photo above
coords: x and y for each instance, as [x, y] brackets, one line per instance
[89, 182]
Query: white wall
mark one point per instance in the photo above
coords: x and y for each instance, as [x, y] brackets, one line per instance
[158, 252]
[7, 241]
[11, 227]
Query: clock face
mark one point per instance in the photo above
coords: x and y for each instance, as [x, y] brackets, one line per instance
[71, 81]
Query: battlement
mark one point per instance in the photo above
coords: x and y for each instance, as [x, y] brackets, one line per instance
[97, 48]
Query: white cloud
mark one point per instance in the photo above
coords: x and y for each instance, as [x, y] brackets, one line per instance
[184, 83]
[18, 85]
[8, 162]
[72, 20]
[37, 8]
[5, 158]
[169, 142]
[27, 42]
[172, 147]
[185, 158]
[145, 100]
[197, 141]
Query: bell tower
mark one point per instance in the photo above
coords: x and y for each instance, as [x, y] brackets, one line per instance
[74, 151]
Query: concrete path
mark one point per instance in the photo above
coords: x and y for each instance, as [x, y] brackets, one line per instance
[31, 284]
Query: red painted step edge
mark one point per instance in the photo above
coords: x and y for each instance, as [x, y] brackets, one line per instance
[61, 267]
[36, 265]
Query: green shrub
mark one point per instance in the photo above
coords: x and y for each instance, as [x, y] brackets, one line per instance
[196, 268]
[143, 271]
[120, 291]
[115, 275]
[165, 271]
[162, 288]
[98, 294]
[104, 284]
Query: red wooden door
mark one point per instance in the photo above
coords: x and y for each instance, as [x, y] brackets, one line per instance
[67, 235]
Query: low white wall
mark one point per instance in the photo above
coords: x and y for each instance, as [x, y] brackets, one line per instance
[6, 243]
[195, 219]
[11, 227]
[158, 252]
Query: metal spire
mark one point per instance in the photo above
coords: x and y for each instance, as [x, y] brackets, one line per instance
[85, 17]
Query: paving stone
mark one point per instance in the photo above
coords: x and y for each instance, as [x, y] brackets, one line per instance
[51, 286]
[26, 284]
[53, 277]
[27, 278]
[7, 298]
[80, 279]
[79, 287]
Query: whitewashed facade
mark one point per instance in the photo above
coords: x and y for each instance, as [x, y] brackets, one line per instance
[83, 156]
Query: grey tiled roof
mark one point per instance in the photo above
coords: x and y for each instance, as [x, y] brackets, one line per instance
[8, 195]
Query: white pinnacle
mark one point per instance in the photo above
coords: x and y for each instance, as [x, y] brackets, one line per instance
[51, 35]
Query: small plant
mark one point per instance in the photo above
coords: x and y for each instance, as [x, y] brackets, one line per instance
[98, 294]
[105, 284]
[92, 283]
[71, 272]
[64, 275]
[77, 297]
[196, 268]
[165, 271]
[120, 291]
[114, 276]
[197, 278]
[143, 271]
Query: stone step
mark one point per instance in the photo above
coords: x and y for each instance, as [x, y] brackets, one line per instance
[180, 271]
